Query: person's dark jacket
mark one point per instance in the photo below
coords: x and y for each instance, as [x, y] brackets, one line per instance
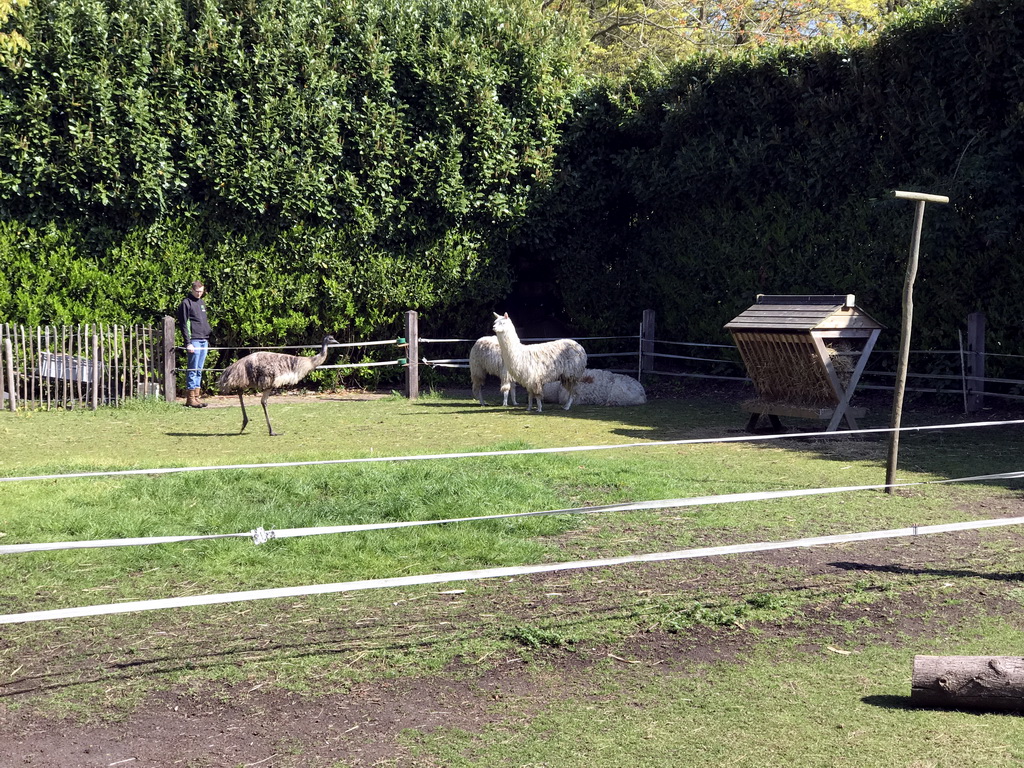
[192, 319]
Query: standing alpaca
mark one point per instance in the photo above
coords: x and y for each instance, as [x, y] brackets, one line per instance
[484, 359]
[533, 365]
[266, 372]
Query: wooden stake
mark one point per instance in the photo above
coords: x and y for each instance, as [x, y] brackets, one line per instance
[907, 325]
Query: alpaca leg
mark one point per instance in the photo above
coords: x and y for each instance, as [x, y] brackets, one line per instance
[245, 416]
[572, 395]
[537, 398]
[478, 391]
[263, 400]
[508, 386]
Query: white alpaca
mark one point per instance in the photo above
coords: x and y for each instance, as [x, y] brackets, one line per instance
[533, 365]
[600, 387]
[484, 360]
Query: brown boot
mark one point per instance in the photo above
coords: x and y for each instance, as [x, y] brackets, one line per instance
[192, 399]
[199, 403]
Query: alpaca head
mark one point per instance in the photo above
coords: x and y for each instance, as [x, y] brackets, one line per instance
[502, 323]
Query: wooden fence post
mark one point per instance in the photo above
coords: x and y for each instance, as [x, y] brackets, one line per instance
[3, 375]
[95, 371]
[647, 342]
[12, 398]
[412, 371]
[975, 361]
[170, 384]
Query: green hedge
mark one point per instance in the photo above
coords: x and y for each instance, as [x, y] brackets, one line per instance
[774, 174]
[327, 166]
[322, 165]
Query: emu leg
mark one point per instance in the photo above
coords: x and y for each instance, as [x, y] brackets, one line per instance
[245, 416]
[263, 400]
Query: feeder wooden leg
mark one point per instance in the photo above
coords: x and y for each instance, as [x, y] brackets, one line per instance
[776, 425]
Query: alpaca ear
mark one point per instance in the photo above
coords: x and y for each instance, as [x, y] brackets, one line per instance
[496, 315]
[506, 315]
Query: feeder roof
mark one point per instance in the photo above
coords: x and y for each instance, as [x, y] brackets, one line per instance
[802, 313]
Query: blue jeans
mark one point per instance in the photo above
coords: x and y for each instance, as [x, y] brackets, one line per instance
[196, 361]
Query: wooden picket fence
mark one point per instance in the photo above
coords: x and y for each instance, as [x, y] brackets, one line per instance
[78, 366]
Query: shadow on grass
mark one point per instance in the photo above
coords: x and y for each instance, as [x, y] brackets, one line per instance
[908, 704]
[890, 702]
[694, 411]
[221, 647]
[938, 572]
[203, 434]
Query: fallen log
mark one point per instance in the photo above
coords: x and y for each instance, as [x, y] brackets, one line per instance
[969, 682]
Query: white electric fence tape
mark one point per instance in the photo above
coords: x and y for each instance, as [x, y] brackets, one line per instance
[260, 535]
[488, 573]
[520, 452]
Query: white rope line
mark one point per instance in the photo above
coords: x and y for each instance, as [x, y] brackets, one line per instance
[14, 549]
[306, 346]
[489, 573]
[519, 452]
[260, 536]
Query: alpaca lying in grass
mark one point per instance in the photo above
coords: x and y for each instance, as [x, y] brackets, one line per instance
[485, 360]
[600, 387]
[534, 365]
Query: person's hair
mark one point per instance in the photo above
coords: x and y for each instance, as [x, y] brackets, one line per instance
[197, 284]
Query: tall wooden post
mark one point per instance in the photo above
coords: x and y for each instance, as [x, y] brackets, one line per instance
[975, 361]
[905, 330]
[647, 342]
[412, 370]
[170, 382]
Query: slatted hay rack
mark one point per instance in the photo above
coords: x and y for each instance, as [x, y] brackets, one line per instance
[805, 355]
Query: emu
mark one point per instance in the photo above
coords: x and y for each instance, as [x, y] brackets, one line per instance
[485, 359]
[533, 365]
[268, 372]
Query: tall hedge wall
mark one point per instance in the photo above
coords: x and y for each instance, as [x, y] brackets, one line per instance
[321, 164]
[774, 174]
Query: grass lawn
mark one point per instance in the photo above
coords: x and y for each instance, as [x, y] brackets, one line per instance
[798, 657]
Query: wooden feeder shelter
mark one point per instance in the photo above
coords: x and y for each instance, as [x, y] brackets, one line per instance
[805, 355]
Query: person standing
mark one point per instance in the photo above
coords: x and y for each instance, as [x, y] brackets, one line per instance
[195, 331]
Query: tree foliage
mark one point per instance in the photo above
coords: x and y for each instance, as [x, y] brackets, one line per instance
[774, 173]
[627, 33]
[12, 42]
[318, 163]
